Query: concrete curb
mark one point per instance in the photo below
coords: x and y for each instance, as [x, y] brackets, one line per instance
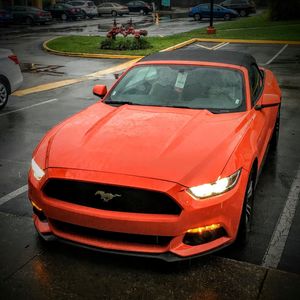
[86, 55]
[178, 46]
[239, 41]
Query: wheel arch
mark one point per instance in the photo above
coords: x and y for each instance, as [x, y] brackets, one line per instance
[6, 82]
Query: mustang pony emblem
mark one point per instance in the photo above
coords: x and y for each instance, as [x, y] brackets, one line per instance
[106, 196]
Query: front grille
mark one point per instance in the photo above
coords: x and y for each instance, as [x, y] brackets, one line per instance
[109, 197]
[93, 234]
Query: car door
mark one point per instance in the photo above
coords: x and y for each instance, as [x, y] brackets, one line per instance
[54, 11]
[261, 118]
[108, 8]
[205, 10]
[130, 6]
[135, 7]
[218, 11]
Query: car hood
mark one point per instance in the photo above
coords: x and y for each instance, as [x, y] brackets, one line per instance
[180, 145]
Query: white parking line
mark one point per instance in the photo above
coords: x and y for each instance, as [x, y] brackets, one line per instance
[28, 107]
[220, 46]
[13, 194]
[276, 246]
[276, 55]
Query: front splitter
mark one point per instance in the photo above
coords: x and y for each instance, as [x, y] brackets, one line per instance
[166, 256]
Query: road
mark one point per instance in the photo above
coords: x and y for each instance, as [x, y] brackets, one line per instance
[31, 269]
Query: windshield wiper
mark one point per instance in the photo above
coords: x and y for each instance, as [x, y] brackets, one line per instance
[120, 102]
[180, 106]
[213, 111]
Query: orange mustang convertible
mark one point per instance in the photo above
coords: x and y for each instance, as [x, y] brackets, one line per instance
[166, 164]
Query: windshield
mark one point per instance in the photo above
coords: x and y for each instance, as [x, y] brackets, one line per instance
[214, 88]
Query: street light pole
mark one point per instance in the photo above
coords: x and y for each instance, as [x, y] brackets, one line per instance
[211, 17]
[210, 29]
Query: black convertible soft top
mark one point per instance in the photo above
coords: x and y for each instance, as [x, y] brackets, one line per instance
[220, 56]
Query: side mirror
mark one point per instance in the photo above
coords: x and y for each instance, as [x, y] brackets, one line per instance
[100, 90]
[268, 100]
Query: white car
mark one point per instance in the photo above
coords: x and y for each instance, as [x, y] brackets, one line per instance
[11, 77]
[88, 7]
[112, 8]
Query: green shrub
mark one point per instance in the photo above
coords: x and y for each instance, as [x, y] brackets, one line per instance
[125, 43]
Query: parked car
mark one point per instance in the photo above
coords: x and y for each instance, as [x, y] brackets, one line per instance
[112, 8]
[11, 77]
[203, 11]
[166, 164]
[88, 7]
[139, 6]
[243, 7]
[65, 12]
[30, 15]
[5, 16]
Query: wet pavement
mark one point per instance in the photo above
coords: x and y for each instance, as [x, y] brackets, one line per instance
[32, 269]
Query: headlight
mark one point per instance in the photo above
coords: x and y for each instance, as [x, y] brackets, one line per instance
[38, 173]
[220, 186]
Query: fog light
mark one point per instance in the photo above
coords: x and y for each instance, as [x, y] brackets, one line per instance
[202, 235]
[38, 211]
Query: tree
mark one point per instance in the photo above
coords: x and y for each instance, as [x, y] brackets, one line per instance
[284, 9]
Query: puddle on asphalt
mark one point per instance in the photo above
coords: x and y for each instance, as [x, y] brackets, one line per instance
[39, 68]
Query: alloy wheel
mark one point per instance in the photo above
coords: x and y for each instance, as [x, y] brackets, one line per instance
[247, 212]
[227, 17]
[249, 205]
[197, 17]
[3, 95]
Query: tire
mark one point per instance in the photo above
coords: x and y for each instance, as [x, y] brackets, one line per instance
[227, 17]
[29, 21]
[242, 13]
[114, 13]
[4, 92]
[64, 17]
[197, 17]
[275, 134]
[247, 212]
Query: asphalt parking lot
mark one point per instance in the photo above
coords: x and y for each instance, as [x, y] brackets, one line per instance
[31, 269]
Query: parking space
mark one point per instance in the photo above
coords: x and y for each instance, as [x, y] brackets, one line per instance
[281, 168]
[50, 271]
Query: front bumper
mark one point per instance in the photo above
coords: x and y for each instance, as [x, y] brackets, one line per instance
[224, 209]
